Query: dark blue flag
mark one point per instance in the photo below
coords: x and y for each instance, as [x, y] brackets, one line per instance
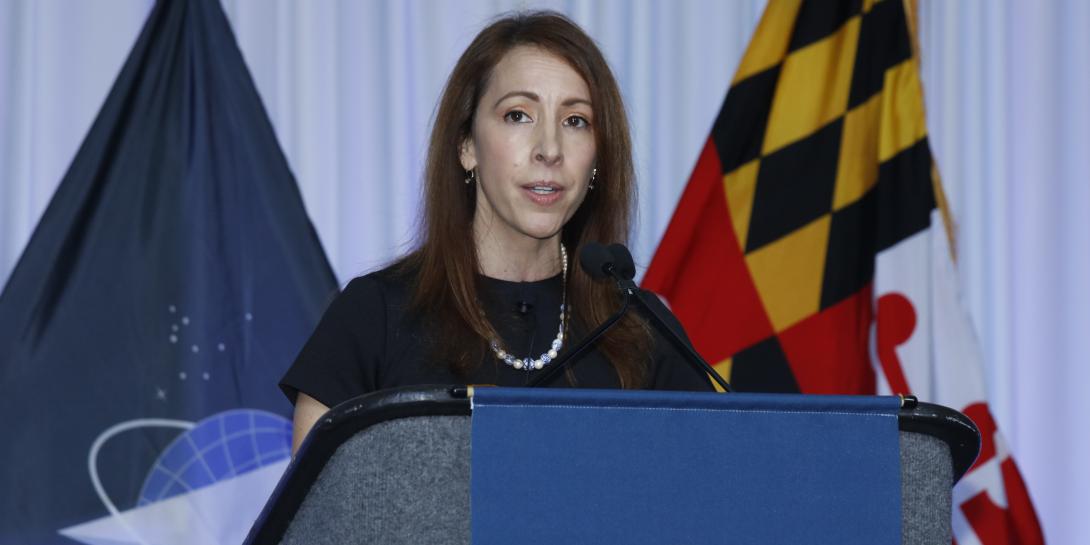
[170, 282]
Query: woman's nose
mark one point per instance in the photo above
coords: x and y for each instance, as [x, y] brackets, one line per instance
[547, 149]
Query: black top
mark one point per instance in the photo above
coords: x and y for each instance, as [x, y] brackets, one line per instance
[366, 341]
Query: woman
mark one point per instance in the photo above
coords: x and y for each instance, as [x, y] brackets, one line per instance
[530, 159]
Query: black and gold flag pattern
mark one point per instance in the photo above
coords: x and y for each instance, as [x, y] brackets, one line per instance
[808, 251]
[817, 161]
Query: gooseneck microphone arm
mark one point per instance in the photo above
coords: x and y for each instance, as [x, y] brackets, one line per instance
[623, 274]
[616, 263]
[593, 258]
[555, 369]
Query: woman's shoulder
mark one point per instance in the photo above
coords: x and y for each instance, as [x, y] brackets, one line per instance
[347, 351]
[385, 286]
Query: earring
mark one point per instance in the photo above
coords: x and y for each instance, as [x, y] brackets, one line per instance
[593, 176]
[471, 176]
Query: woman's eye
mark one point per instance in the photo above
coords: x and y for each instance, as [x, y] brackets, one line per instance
[577, 121]
[517, 117]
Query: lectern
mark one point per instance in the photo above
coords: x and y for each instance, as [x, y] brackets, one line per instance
[442, 464]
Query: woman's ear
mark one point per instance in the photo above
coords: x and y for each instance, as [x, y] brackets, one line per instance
[467, 154]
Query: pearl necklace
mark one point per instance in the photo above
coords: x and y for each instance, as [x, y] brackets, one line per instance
[544, 359]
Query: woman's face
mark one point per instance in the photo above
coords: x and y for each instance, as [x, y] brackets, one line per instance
[532, 146]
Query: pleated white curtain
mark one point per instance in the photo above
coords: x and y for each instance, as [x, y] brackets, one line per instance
[351, 87]
[1007, 87]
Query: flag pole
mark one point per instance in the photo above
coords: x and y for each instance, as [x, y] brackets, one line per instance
[912, 19]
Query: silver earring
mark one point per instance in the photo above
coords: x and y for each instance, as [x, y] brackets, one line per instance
[593, 176]
[471, 176]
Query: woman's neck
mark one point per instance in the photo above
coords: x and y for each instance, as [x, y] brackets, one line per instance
[524, 259]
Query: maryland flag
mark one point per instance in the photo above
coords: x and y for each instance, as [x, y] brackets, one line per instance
[809, 251]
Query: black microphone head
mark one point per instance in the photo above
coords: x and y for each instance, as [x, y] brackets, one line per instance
[622, 261]
[595, 258]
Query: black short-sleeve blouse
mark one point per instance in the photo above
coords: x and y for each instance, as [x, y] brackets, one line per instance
[367, 341]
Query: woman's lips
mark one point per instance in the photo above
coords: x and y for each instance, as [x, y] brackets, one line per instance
[543, 194]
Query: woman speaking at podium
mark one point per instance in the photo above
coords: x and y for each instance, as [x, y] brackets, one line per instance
[529, 159]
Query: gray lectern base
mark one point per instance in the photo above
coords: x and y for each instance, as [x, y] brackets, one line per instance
[394, 468]
[402, 481]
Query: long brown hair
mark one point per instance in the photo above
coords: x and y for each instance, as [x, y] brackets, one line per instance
[445, 261]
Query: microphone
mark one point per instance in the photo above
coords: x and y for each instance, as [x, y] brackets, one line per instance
[523, 307]
[596, 261]
[615, 261]
[622, 260]
[622, 272]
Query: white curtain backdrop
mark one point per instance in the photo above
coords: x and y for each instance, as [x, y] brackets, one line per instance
[351, 88]
[1008, 93]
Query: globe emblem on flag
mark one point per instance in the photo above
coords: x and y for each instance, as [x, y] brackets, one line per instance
[219, 447]
[207, 486]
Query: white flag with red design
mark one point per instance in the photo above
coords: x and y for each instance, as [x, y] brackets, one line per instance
[924, 344]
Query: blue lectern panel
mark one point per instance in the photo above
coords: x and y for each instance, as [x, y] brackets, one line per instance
[593, 466]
